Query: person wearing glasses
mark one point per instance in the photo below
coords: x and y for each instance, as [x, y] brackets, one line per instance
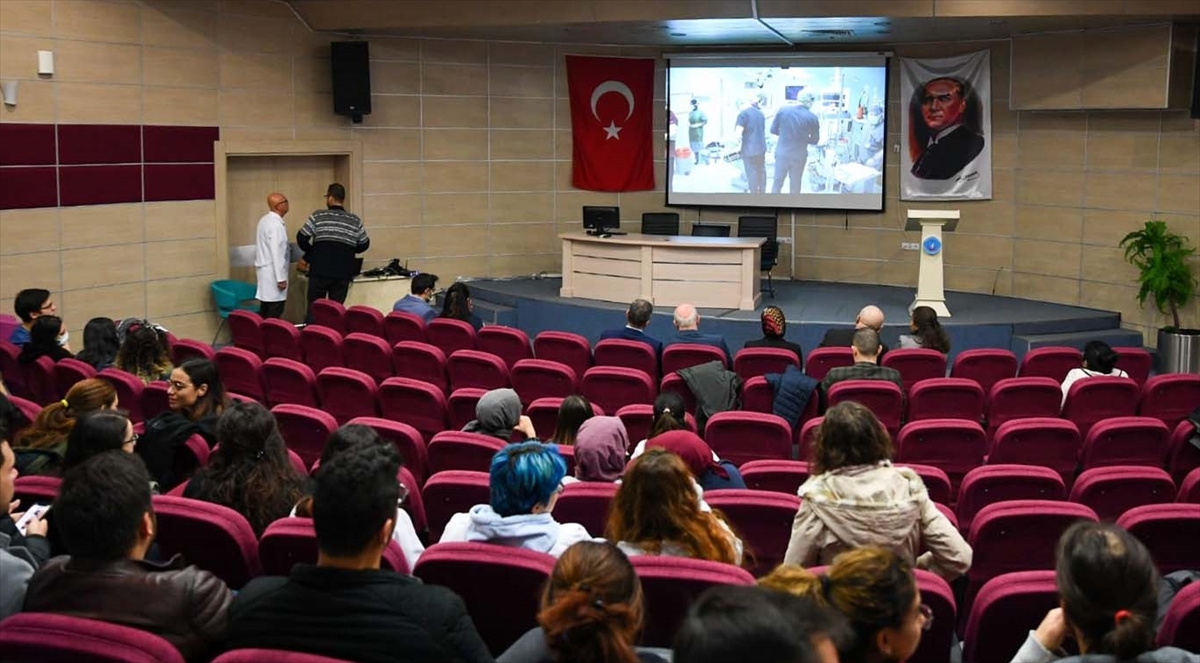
[196, 398]
[330, 239]
[29, 305]
[876, 591]
[854, 497]
[945, 135]
[271, 257]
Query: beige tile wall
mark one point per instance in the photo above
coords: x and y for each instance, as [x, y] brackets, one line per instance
[467, 164]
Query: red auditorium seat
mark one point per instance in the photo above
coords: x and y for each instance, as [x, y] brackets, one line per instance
[1181, 625]
[46, 637]
[1111, 491]
[946, 398]
[881, 397]
[820, 360]
[399, 326]
[672, 584]
[364, 320]
[369, 354]
[420, 361]
[290, 541]
[1170, 398]
[1048, 442]
[937, 484]
[1125, 441]
[740, 437]
[539, 378]
[586, 503]
[186, 348]
[452, 491]
[211, 536]
[1170, 531]
[281, 339]
[1021, 398]
[330, 314]
[476, 369]
[346, 393]
[753, 362]
[31, 409]
[955, 446]
[544, 414]
[36, 489]
[450, 335]
[614, 387]
[915, 365]
[68, 371]
[1189, 488]
[639, 421]
[1182, 456]
[1095, 399]
[456, 450]
[569, 349]
[781, 476]
[460, 407]
[986, 366]
[508, 343]
[1005, 610]
[419, 404]
[304, 429]
[245, 329]
[1053, 363]
[674, 383]
[322, 347]
[628, 354]
[685, 355]
[155, 400]
[407, 440]
[288, 381]
[10, 368]
[241, 372]
[763, 519]
[129, 391]
[1136, 363]
[40, 382]
[999, 483]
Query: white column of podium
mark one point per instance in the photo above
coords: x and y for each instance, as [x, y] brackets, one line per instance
[931, 289]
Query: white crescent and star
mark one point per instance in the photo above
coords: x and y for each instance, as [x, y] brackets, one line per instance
[612, 130]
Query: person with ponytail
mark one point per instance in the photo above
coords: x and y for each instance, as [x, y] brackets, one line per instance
[100, 343]
[1099, 360]
[591, 612]
[927, 332]
[1108, 600]
[877, 593]
[40, 448]
[572, 412]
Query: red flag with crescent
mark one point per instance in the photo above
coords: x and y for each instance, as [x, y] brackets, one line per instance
[612, 123]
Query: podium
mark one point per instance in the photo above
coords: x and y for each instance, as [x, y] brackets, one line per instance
[931, 289]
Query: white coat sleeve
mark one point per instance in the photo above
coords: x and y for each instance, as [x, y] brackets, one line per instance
[279, 252]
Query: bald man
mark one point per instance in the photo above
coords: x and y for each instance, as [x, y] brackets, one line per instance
[687, 330]
[271, 257]
[870, 317]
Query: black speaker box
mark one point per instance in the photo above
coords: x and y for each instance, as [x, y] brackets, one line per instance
[351, 67]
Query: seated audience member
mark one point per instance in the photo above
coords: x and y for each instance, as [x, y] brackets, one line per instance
[498, 414]
[29, 305]
[417, 301]
[870, 317]
[591, 612]
[96, 433]
[20, 555]
[456, 304]
[250, 471]
[687, 330]
[709, 471]
[600, 450]
[732, 623]
[1108, 598]
[12, 419]
[865, 349]
[104, 516]
[40, 448]
[572, 412]
[774, 326]
[637, 318]
[855, 497]
[196, 397]
[100, 343]
[927, 332]
[526, 479]
[876, 591]
[658, 511]
[144, 353]
[350, 436]
[345, 606]
[670, 413]
[1099, 360]
[47, 338]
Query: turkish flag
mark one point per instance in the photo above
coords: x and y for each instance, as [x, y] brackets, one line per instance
[612, 123]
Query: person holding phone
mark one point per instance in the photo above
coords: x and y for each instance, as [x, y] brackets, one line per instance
[21, 553]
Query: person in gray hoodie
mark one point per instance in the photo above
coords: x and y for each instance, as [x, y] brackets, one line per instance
[526, 480]
[498, 414]
[1108, 597]
[856, 498]
[20, 555]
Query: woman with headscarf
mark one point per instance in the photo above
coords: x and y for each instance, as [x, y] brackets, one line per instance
[600, 449]
[774, 326]
[709, 472]
[498, 414]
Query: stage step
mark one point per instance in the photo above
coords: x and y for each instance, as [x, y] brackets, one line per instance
[494, 314]
[1022, 343]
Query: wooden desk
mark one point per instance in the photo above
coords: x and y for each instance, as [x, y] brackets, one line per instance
[710, 272]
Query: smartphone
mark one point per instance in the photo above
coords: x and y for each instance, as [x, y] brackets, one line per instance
[35, 511]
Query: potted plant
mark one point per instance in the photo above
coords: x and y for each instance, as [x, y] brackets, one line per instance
[1161, 257]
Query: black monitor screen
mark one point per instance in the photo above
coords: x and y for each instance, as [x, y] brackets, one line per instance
[601, 218]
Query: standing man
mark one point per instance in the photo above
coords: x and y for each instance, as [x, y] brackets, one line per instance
[751, 127]
[797, 128]
[696, 121]
[330, 240]
[271, 257]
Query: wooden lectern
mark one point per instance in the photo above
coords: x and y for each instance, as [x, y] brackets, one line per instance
[931, 290]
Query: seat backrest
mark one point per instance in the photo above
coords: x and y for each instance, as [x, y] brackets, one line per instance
[460, 407]
[1053, 363]
[129, 391]
[399, 326]
[452, 491]
[937, 483]
[757, 395]
[245, 328]
[672, 382]
[186, 348]
[450, 335]
[476, 369]
[228, 294]
[273, 655]
[539, 378]
[1170, 531]
[28, 407]
[1019, 398]
[241, 372]
[753, 362]
[1003, 613]
[1181, 625]
[1182, 456]
[936, 643]
[569, 349]
[740, 437]
[946, 398]
[211, 536]
[50, 638]
[322, 347]
[1111, 491]
[1045, 441]
[660, 223]
[285, 543]
[1125, 441]
[987, 366]
[543, 412]
[1170, 397]
[1093, 399]
[328, 313]
[420, 361]
[456, 450]
[763, 519]
[364, 320]
[406, 439]
[154, 399]
[678, 356]
[915, 364]
[475, 570]
[304, 429]
[781, 476]
[614, 387]
[417, 403]
[10, 368]
[289, 381]
[508, 343]
[672, 584]
[68, 371]
[586, 503]
[367, 353]
[39, 380]
[628, 354]
[956, 446]
[998, 483]
[1136, 363]
[346, 393]
[36, 489]
[820, 360]
[710, 230]
[758, 226]
[281, 339]
[1189, 488]
[882, 397]
[1019, 535]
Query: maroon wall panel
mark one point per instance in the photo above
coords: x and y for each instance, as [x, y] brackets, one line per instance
[21, 188]
[100, 185]
[179, 182]
[99, 143]
[179, 144]
[26, 144]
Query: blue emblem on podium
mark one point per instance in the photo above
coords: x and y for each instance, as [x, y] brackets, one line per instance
[932, 246]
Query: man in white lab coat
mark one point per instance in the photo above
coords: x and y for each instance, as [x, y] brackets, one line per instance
[271, 257]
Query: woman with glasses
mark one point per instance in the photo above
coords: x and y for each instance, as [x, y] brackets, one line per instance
[96, 433]
[196, 398]
[250, 471]
[855, 497]
[876, 590]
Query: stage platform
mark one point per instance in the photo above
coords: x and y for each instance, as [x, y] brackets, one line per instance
[978, 321]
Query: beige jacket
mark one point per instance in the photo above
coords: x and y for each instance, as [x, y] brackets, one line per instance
[874, 505]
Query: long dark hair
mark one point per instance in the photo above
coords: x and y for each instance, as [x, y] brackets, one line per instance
[669, 414]
[592, 607]
[455, 303]
[214, 401]
[43, 335]
[250, 472]
[94, 434]
[100, 343]
[929, 331]
[1098, 357]
[144, 353]
[573, 411]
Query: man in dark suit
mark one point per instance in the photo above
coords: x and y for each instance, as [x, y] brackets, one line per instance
[636, 319]
[797, 128]
[870, 317]
[949, 143]
[687, 330]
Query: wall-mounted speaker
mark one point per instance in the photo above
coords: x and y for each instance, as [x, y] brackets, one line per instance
[351, 67]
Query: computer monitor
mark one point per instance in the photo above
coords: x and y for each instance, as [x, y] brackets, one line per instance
[597, 219]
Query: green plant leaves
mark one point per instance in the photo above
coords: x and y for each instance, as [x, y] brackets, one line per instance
[1161, 258]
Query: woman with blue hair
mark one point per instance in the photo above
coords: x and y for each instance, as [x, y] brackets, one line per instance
[526, 479]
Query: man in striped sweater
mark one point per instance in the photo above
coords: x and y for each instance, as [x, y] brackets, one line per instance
[330, 240]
